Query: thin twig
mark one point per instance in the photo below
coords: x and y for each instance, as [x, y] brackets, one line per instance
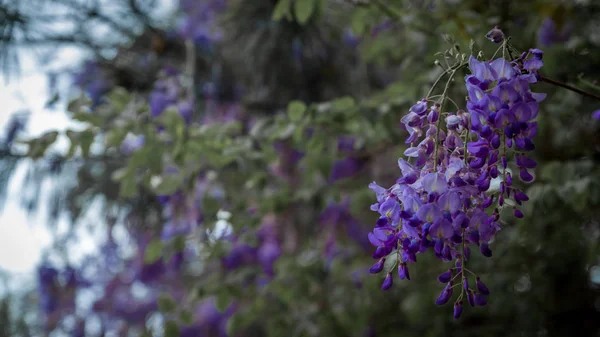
[569, 87]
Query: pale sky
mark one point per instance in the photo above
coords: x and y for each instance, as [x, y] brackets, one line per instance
[23, 237]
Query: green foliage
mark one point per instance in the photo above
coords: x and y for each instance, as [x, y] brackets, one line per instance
[296, 110]
[282, 9]
[186, 317]
[171, 329]
[166, 304]
[303, 10]
[154, 251]
[39, 146]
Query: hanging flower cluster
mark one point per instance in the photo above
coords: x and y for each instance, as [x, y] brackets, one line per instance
[443, 199]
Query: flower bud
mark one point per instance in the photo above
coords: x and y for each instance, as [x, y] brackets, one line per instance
[485, 250]
[414, 245]
[471, 298]
[439, 245]
[481, 287]
[446, 276]
[382, 221]
[487, 202]
[494, 172]
[403, 271]
[473, 236]
[495, 35]
[458, 308]
[480, 300]
[377, 267]
[518, 213]
[493, 158]
[525, 175]
[495, 141]
[444, 295]
[387, 282]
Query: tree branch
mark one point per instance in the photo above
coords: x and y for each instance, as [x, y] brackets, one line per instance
[569, 87]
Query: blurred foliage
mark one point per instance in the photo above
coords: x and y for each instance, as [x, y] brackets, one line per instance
[307, 100]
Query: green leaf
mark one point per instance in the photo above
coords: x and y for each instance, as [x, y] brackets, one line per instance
[120, 174]
[178, 243]
[86, 138]
[287, 132]
[127, 188]
[296, 110]
[233, 325]
[169, 184]
[359, 21]
[89, 117]
[166, 303]
[358, 26]
[172, 329]
[118, 98]
[282, 10]
[78, 104]
[448, 38]
[316, 145]
[303, 10]
[153, 251]
[390, 263]
[471, 46]
[344, 103]
[38, 146]
[115, 137]
[222, 300]
[186, 317]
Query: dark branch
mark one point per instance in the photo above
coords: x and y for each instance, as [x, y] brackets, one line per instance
[569, 87]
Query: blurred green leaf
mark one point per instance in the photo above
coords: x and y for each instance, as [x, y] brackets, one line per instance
[303, 10]
[222, 300]
[86, 138]
[178, 243]
[127, 187]
[39, 146]
[121, 174]
[172, 329]
[343, 104]
[186, 317]
[296, 110]
[153, 251]
[169, 183]
[89, 117]
[282, 9]
[166, 303]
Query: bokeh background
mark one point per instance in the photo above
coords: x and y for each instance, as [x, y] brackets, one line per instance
[201, 168]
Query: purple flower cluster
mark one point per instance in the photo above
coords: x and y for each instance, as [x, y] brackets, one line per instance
[120, 305]
[167, 92]
[199, 20]
[209, 321]
[93, 81]
[57, 291]
[265, 254]
[337, 219]
[443, 201]
[549, 33]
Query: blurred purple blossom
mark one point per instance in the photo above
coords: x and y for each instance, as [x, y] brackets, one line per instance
[549, 33]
